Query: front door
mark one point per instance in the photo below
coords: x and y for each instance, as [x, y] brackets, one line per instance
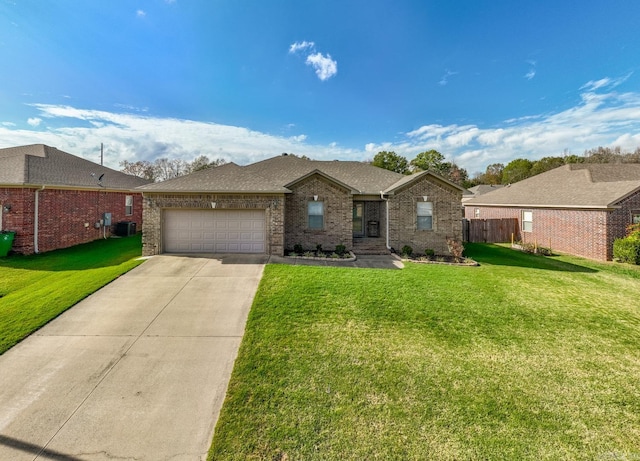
[358, 219]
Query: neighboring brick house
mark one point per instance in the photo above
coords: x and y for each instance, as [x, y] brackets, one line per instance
[52, 199]
[578, 209]
[272, 205]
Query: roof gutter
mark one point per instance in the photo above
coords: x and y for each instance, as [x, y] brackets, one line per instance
[386, 201]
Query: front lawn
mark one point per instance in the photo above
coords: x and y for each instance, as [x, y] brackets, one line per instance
[522, 358]
[35, 289]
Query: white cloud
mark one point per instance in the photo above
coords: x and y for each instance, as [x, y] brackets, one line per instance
[141, 13]
[605, 82]
[325, 66]
[136, 136]
[445, 78]
[529, 75]
[34, 121]
[598, 119]
[299, 46]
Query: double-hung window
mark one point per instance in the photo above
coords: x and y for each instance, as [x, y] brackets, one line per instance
[128, 205]
[315, 215]
[527, 221]
[425, 215]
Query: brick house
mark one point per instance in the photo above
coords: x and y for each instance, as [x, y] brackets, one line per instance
[52, 199]
[272, 205]
[578, 209]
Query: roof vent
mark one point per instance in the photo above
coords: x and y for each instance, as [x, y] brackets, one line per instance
[284, 154]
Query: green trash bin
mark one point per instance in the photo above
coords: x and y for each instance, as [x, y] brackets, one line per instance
[6, 240]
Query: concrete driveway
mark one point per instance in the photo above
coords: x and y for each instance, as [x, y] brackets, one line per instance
[138, 370]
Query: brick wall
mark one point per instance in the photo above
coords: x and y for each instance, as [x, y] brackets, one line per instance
[338, 218]
[154, 204]
[63, 215]
[447, 216]
[620, 218]
[578, 232]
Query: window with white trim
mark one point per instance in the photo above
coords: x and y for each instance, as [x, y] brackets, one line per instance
[315, 215]
[128, 205]
[476, 212]
[635, 217]
[527, 221]
[424, 213]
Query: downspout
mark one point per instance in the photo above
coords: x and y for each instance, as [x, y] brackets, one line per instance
[35, 220]
[386, 201]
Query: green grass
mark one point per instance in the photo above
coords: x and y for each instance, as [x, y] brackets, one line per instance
[524, 357]
[35, 289]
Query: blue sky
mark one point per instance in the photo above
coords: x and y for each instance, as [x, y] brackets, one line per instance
[480, 81]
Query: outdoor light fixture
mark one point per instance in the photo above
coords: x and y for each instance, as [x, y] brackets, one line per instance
[315, 198]
[7, 208]
[213, 204]
[425, 198]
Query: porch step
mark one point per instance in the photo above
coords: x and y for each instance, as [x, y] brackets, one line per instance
[370, 246]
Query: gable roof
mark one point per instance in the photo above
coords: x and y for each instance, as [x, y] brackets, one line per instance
[358, 176]
[41, 165]
[582, 185]
[407, 180]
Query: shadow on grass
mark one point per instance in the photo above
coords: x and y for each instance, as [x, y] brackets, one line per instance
[486, 253]
[99, 253]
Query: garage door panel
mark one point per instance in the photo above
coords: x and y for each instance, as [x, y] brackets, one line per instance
[214, 231]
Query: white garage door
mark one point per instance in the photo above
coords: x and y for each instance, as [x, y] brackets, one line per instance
[214, 231]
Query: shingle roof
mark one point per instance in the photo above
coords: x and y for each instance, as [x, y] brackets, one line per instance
[274, 174]
[226, 178]
[361, 177]
[587, 185]
[39, 164]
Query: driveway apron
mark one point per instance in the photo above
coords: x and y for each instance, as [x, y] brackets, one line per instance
[137, 371]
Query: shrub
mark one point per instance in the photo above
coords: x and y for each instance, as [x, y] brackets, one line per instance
[406, 251]
[455, 248]
[627, 250]
[429, 252]
[341, 249]
[297, 248]
[319, 248]
[335, 256]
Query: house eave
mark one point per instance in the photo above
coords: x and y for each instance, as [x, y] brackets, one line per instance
[609, 207]
[232, 192]
[66, 187]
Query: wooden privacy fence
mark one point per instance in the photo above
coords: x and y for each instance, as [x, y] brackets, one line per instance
[490, 230]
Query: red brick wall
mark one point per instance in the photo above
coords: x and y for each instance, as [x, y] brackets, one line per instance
[338, 215]
[447, 217]
[63, 215]
[619, 219]
[578, 232]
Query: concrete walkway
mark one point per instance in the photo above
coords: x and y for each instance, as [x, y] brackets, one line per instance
[138, 370]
